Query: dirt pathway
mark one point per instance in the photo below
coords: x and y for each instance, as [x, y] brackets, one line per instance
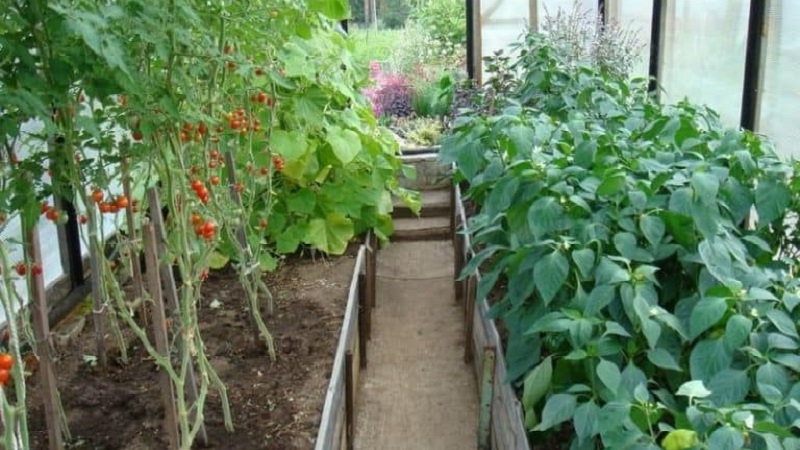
[417, 393]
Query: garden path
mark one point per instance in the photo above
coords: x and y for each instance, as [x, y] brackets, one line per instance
[417, 393]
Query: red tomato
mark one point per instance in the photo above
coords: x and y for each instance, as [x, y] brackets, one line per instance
[122, 202]
[6, 361]
[97, 196]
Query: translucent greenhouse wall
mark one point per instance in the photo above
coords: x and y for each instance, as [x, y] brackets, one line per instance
[499, 23]
[703, 52]
[780, 94]
[11, 235]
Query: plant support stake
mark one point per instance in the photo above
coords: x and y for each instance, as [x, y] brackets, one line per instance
[136, 269]
[170, 288]
[160, 335]
[41, 332]
[98, 303]
[487, 394]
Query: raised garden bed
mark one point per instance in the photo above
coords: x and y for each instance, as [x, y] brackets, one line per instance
[430, 173]
[501, 424]
[275, 404]
[337, 427]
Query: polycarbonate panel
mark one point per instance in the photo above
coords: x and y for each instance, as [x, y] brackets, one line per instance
[503, 22]
[704, 54]
[780, 97]
[551, 7]
[634, 16]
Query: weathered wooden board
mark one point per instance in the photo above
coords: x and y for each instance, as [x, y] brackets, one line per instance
[508, 425]
[331, 435]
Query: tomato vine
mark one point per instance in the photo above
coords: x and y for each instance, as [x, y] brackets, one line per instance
[246, 116]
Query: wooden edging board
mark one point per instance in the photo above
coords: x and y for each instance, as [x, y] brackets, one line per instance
[507, 420]
[336, 425]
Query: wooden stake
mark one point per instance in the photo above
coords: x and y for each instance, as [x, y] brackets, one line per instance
[160, 334]
[98, 302]
[97, 272]
[453, 210]
[164, 267]
[41, 332]
[470, 319]
[171, 292]
[487, 396]
[136, 270]
[459, 266]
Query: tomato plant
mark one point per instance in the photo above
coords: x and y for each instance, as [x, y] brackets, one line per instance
[258, 143]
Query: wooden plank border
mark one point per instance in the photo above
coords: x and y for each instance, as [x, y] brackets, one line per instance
[507, 420]
[339, 406]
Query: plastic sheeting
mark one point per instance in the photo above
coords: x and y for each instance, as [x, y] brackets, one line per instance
[780, 96]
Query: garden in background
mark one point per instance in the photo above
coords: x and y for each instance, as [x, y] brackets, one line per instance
[639, 256]
[416, 52]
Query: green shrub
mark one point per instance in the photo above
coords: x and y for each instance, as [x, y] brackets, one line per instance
[445, 22]
[434, 99]
[421, 131]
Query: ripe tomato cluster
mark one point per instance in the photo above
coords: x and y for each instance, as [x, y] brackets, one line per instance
[22, 269]
[215, 159]
[52, 214]
[6, 363]
[262, 98]
[277, 162]
[203, 228]
[119, 203]
[239, 122]
[194, 133]
[200, 189]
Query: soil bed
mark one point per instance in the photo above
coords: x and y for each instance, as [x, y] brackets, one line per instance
[275, 405]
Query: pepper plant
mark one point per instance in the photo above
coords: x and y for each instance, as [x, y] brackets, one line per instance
[633, 248]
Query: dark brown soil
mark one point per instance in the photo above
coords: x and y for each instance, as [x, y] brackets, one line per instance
[275, 405]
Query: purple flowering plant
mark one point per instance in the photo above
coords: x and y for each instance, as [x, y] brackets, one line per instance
[389, 93]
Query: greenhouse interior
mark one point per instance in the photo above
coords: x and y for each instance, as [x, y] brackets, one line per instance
[399, 224]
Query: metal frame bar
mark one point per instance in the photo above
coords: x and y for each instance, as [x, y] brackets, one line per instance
[657, 42]
[754, 64]
[73, 245]
[602, 11]
[470, 39]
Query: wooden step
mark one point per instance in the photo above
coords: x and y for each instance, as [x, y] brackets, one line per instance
[421, 229]
[434, 204]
